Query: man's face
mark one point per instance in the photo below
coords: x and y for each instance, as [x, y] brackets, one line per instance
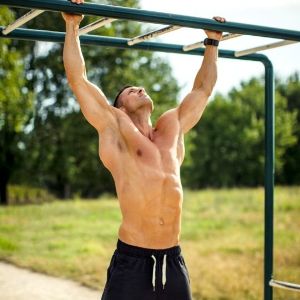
[134, 98]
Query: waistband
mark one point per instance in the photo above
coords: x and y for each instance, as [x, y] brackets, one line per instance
[143, 252]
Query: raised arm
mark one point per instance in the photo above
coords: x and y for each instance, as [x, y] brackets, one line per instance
[92, 101]
[191, 108]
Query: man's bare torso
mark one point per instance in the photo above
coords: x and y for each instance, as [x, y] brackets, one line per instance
[147, 178]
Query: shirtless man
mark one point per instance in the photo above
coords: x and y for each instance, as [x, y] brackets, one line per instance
[145, 164]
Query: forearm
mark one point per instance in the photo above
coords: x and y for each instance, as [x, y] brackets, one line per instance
[72, 55]
[207, 75]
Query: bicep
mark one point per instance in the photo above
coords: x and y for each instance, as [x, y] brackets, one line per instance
[93, 104]
[191, 109]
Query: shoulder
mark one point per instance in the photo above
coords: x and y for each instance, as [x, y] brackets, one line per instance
[117, 117]
[170, 116]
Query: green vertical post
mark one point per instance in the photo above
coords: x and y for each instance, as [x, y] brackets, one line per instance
[269, 177]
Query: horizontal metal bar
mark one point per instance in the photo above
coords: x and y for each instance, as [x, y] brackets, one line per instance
[264, 47]
[229, 36]
[285, 285]
[95, 25]
[155, 17]
[88, 39]
[201, 44]
[152, 34]
[22, 20]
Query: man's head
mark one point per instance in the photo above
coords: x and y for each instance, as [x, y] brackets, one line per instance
[117, 103]
[130, 98]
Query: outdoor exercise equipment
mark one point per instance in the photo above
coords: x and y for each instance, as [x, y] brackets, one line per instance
[110, 14]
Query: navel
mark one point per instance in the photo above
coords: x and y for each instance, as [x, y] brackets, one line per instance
[161, 221]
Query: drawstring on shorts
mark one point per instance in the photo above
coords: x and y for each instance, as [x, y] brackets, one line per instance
[159, 256]
[164, 271]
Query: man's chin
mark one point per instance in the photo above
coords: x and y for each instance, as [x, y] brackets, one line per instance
[145, 97]
[147, 103]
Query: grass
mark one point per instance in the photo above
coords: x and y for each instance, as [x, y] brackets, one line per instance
[221, 239]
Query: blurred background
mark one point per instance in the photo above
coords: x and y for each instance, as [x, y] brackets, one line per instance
[59, 213]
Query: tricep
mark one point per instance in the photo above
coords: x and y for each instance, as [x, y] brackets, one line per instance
[94, 106]
[191, 109]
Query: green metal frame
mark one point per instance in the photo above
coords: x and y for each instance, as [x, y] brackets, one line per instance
[185, 21]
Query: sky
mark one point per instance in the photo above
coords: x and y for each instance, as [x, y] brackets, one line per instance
[274, 13]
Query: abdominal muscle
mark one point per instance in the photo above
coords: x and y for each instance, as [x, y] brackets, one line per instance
[151, 209]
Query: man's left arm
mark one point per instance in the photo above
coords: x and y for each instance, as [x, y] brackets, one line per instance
[191, 108]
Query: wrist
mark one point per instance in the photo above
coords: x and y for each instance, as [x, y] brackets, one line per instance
[72, 23]
[214, 36]
[211, 42]
[72, 26]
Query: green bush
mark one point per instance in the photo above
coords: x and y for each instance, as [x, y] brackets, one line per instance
[22, 194]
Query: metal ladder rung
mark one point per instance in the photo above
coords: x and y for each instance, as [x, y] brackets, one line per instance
[263, 47]
[152, 34]
[285, 285]
[95, 25]
[225, 37]
[22, 20]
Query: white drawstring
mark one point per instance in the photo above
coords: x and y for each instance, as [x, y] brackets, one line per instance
[164, 271]
[153, 272]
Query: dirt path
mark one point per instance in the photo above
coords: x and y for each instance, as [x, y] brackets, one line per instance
[22, 284]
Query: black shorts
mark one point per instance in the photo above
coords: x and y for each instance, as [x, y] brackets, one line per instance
[137, 273]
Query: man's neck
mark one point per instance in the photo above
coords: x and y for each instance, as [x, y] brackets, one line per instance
[142, 121]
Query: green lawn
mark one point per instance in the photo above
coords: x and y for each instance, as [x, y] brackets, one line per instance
[222, 240]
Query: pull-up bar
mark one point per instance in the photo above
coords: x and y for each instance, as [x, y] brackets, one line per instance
[175, 22]
[95, 25]
[201, 44]
[21, 21]
[133, 14]
[264, 47]
[152, 34]
[106, 41]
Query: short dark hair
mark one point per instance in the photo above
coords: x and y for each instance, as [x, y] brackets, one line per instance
[119, 93]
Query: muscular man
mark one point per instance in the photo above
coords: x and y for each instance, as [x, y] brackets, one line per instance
[145, 164]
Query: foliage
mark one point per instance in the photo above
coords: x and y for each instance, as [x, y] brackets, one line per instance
[291, 91]
[228, 143]
[21, 194]
[16, 103]
[61, 147]
[54, 147]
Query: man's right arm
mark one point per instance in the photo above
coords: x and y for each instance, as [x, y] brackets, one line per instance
[92, 101]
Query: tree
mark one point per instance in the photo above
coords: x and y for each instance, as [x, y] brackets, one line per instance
[291, 91]
[61, 146]
[228, 143]
[15, 107]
